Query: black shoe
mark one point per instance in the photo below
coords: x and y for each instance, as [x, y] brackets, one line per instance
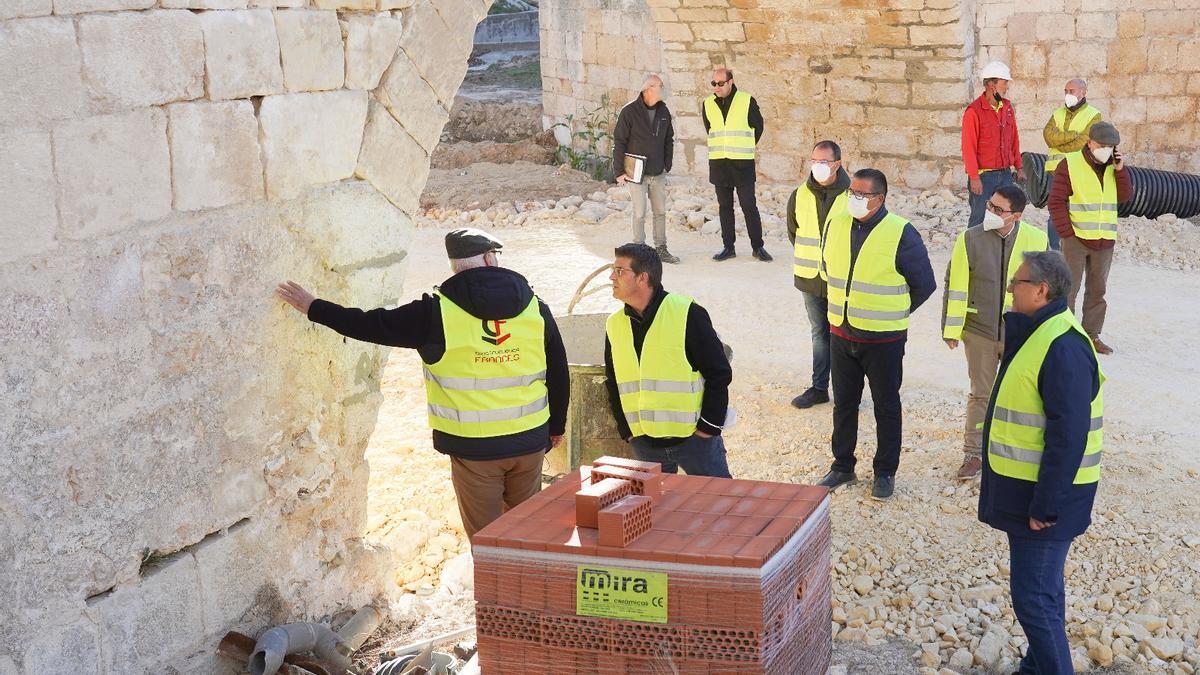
[761, 254]
[883, 487]
[725, 254]
[811, 397]
[835, 479]
[665, 255]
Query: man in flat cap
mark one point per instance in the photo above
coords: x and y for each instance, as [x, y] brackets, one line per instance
[1086, 189]
[495, 371]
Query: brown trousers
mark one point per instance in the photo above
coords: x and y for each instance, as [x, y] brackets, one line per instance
[983, 360]
[1095, 264]
[487, 488]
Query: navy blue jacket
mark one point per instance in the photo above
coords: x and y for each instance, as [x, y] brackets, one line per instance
[912, 262]
[1069, 380]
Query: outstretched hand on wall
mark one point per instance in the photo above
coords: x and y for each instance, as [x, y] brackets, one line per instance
[295, 295]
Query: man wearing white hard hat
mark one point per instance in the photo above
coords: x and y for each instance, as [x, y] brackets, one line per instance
[991, 149]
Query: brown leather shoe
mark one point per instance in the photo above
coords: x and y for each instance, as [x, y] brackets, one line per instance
[1101, 348]
[971, 466]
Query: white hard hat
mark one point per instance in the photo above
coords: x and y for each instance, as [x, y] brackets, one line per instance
[995, 69]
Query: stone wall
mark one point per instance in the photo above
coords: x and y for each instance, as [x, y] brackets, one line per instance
[889, 79]
[1142, 64]
[182, 454]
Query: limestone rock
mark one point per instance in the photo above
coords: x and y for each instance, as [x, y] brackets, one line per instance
[411, 101]
[204, 4]
[987, 593]
[426, 33]
[987, 653]
[310, 44]
[961, 659]
[113, 171]
[344, 4]
[80, 6]
[29, 220]
[241, 53]
[1101, 654]
[143, 58]
[214, 154]
[371, 44]
[391, 160]
[458, 575]
[863, 584]
[14, 9]
[1165, 648]
[310, 138]
[41, 80]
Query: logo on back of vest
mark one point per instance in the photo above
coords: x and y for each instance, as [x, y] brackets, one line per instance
[491, 331]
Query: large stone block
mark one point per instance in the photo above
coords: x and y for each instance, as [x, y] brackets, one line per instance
[214, 154]
[310, 43]
[310, 138]
[113, 172]
[242, 54]
[15, 9]
[721, 32]
[204, 4]
[371, 43]
[80, 6]
[392, 160]
[39, 59]
[940, 94]
[134, 59]
[29, 219]
[345, 4]
[440, 53]
[73, 648]
[949, 34]
[145, 625]
[413, 102]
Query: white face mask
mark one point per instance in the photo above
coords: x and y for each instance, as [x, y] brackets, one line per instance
[991, 221]
[858, 206]
[821, 172]
[1071, 100]
[1102, 155]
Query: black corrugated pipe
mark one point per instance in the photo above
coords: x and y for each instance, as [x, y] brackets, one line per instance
[1155, 192]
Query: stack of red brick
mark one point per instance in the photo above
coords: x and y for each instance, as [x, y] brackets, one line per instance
[747, 564]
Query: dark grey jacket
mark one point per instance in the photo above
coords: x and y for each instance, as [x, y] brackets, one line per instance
[635, 134]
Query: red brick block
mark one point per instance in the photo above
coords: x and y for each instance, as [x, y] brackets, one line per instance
[626, 463]
[624, 521]
[592, 498]
[644, 483]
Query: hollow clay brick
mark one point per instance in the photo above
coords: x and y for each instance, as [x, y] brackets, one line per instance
[624, 521]
[589, 500]
[644, 483]
[626, 463]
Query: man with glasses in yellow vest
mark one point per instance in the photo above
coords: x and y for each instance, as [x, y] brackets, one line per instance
[496, 375]
[1043, 435]
[1067, 132]
[878, 273]
[976, 298]
[818, 204]
[668, 376]
[1088, 187]
[734, 125]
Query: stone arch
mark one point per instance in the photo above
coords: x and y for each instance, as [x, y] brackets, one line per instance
[183, 456]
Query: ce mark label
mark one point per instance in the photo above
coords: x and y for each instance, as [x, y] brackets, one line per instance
[621, 593]
[658, 601]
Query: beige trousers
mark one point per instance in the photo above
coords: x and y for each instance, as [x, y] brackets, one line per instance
[487, 488]
[1095, 264]
[983, 360]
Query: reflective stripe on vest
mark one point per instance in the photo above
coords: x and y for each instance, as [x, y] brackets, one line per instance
[730, 136]
[491, 381]
[878, 298]
[660, 393]
[1092, 205]
[1025, 238]
[1078, 124]
[809, 232]
[1016, 431]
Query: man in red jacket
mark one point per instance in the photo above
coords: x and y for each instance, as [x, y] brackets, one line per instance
[990, 147]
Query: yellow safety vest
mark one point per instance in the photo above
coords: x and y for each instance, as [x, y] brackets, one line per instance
[1078, 123]
[660, 392]
[809, 232]
[1017, 428]
[730, 136]
[878, 298]
[492, 379]
[1027, 238]
[1092, 205]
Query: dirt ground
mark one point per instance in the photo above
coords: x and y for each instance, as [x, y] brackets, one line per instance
[481, 185]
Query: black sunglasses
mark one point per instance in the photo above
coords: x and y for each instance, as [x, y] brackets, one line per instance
[722, 83]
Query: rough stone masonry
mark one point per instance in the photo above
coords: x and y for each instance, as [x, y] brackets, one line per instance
[179, 456]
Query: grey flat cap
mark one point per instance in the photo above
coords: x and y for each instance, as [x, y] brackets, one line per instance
[1105, 133]
[468, 242]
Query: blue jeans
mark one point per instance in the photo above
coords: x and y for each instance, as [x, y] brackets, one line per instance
[991, 180]
[696, 456]
[1050, 231]
[818, 320]
[1039, 601]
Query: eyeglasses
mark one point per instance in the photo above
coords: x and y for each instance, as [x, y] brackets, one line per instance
[722, 83]
[824, 161]
[1014, 281]
[864, 195]
[996, 209]
[618, 271]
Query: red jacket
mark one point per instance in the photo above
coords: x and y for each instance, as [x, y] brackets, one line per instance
[1061, 191]
[989, 138]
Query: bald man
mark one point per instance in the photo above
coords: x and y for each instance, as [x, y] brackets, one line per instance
[734, 125]
[1067, 132]
[644, 129]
